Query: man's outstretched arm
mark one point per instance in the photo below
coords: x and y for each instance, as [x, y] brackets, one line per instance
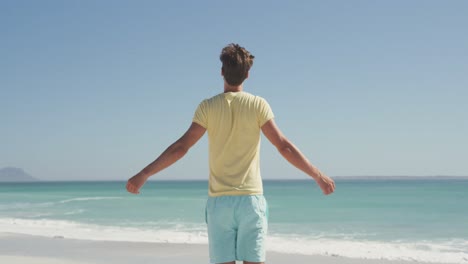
[292, 154]
[172, 154]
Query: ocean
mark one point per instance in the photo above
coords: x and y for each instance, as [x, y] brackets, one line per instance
[395, 219]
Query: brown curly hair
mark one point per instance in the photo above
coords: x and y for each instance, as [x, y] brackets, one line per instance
[236, 63]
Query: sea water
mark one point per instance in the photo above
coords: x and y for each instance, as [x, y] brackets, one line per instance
[413, 220]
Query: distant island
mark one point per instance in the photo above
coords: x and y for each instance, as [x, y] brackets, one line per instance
[11, 174]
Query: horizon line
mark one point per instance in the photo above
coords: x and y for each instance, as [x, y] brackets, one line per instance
[400, 177]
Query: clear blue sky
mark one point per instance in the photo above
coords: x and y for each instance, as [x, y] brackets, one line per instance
[98, 89]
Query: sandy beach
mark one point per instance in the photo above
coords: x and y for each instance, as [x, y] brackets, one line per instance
[21, 249]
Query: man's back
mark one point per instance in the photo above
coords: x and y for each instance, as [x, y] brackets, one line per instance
[233, 121]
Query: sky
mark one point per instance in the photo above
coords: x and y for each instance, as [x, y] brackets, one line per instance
[96, 90]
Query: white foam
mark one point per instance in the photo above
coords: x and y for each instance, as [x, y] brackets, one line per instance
[74, 212]
[25, 205]
[75, 230]
[435, 252]
[443, 252]
[9, 206]
[89, 199]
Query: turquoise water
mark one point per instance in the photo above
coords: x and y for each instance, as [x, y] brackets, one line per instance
[416, 220]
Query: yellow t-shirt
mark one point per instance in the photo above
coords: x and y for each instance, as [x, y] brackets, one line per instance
[233, 121]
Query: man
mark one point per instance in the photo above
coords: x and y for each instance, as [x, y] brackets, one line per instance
[236, 210]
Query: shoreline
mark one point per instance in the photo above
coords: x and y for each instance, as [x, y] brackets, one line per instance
[19, 248]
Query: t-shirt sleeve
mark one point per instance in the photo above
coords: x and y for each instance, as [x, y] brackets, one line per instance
[200, 117]
[264, 112]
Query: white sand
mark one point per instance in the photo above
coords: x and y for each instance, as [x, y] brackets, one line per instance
[35, 260]
[25, 249]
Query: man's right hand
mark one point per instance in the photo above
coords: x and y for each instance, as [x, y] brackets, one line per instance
[326, 184]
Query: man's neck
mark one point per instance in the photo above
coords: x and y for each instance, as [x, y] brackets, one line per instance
[232, 88]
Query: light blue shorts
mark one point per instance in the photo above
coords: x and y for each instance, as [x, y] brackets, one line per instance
[237, 228]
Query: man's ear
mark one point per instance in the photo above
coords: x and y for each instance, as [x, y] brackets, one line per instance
[222, 71]
[247, 75]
